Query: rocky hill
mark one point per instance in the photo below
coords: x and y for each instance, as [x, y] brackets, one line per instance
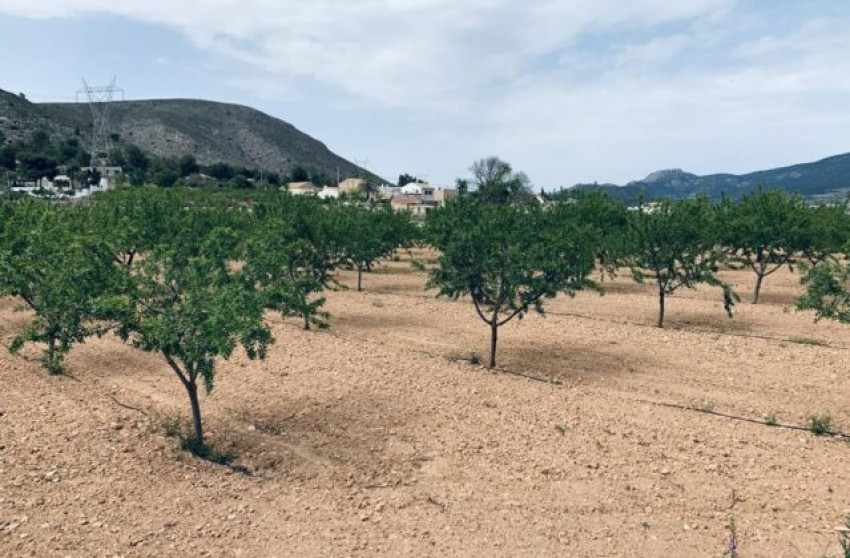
[213, 132]
[828, 178]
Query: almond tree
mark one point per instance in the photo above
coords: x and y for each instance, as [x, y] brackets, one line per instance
[63, 274]
[507, 258]
[370, 234]
[827, 290]
[192, 307]
[607, 219]
[826, 233]
[134, 220]
[291, 254]
[765, 231]
[673, 245]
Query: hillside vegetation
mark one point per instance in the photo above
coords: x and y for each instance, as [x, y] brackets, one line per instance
[212, 132]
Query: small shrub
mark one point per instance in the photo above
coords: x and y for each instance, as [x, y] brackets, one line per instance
[707, 407]
[820, 425]
[172, 426]
[472, 357]
[771, 419]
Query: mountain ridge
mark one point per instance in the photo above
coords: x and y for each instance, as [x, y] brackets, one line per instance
[827, 178]
[210, 130]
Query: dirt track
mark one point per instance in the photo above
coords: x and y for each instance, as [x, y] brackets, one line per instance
[367, 441]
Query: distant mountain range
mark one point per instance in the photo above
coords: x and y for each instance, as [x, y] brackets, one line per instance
[825, 179]
[213, 132]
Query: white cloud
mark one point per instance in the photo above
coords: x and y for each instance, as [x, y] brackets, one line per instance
[408, 53]
[569, 90]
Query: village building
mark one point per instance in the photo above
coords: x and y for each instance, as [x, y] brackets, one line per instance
[412, 203]
[328, 193]
[352, 186]
[302, 189]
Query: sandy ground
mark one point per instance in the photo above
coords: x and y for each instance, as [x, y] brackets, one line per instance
[366, 440]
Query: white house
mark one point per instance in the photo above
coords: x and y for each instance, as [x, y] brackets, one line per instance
[419, 189]
[328, 193]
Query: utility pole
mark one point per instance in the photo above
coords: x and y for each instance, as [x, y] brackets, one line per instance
[100, 100]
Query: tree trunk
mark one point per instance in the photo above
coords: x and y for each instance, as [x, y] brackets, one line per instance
[52, 368]
[757, 291]
[192, 389]
[661, 296]
[359, 278]
[306, 321]
[494, 339]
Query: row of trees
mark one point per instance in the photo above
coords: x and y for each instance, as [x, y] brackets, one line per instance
[188, 275]
[509, 254]
[191, 274]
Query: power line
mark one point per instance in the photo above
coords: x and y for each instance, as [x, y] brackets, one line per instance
[100, 100]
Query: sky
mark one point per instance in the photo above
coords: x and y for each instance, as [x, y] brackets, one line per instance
[567, 91]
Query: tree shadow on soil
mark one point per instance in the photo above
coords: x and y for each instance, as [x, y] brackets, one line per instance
[778, 297]
[703, 322]
[335, 437]
[575, 362]
[378, 320]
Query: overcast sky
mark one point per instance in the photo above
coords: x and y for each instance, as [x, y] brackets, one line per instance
[566, 90]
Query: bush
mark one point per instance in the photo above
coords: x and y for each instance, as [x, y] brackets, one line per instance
[820, 425]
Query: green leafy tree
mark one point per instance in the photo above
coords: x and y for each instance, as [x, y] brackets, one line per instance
[220, 171]
[765, 231]
[496, 182]
[299, 174]
[133, 221]
[33, 167]
[91, 177]
[608, 220]
[405, 179]
[372, 233]
[187, 165]
[61, 273]
[826, 232]
[194, 309]
[508, 258]
[673, 244]
[136, 159]
[827, 290]
[166, 177]
[291, 253]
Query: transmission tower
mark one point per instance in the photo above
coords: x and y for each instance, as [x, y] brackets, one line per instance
[100, 99]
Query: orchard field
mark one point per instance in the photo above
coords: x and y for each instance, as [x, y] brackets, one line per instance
[378, 437]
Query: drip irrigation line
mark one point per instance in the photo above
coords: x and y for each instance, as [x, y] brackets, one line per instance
[832, 434]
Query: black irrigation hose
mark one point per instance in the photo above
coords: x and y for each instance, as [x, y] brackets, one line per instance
[128, 406]
[833, 434]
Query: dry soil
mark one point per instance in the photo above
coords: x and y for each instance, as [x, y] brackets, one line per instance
[374, 439]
